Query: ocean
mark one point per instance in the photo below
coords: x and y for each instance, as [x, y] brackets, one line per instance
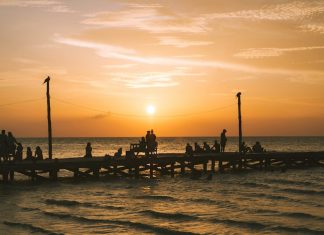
[258, 202]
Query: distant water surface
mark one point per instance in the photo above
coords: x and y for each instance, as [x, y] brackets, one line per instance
[260, 202]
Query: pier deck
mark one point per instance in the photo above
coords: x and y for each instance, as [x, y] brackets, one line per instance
[165, 163]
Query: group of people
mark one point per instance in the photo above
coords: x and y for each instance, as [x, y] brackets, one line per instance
[148, 143]
[256, 148]
[216, 148]
[11, 149]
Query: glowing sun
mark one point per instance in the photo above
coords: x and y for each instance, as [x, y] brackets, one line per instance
[150, 109]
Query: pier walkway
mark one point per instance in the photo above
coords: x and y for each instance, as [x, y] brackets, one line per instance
[160, 164]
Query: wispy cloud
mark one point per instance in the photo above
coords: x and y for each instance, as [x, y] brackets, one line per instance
[181, 43]
[256, 53]
[49, 5]
[315, 28]
[153, 18]
[286, 11]
[117, 52]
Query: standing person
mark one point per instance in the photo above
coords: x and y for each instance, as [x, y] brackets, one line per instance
[148, 141]
[38, 153]
[153, 139]
[223, 140]
[4, 145]
[12, 144]
[88, 150]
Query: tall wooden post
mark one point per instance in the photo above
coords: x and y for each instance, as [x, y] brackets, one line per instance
[49, 121]
[240, 120]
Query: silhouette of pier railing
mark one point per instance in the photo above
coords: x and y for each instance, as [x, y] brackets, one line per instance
[162, 164]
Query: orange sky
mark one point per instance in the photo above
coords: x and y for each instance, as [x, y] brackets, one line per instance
[109, 60]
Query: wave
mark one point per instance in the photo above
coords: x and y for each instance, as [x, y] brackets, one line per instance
[297, 230]
[30, 227]
[157, 197]
[223, 204]
[255, 185]
[291, 182]
[153, 228]
[177, 216]
[303, 191]
[238, 223]
[71, 203]
[301, 215]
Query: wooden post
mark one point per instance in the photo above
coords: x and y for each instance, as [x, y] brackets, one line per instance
[137, 171]
[183, 165]
[151, 167]
[49, 121]
[205, 167]
[12, 175]
[172, 169]
[240, 120]
[220, 166]
[212, 168]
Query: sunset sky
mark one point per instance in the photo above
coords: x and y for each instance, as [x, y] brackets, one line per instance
[185, 60]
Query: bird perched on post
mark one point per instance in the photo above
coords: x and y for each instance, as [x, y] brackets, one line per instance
[47, 79]
[238, 94]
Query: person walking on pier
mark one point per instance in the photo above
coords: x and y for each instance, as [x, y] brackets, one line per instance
[223, 140]
[88, 150]
[38, 153]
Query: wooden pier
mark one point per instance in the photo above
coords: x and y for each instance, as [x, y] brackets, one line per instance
[160, 164]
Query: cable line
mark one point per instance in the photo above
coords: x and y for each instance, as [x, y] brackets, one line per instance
[21, 102]
[142, 116]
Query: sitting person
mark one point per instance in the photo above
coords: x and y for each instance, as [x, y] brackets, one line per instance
[189, 150]
[142, 144]
[88, 150]
[29, 154]
[198, 149]
[216, 147]
[118, 153]
[19, 152]
[38, 153]
[206, 147]
[245, 149]
[257, 148]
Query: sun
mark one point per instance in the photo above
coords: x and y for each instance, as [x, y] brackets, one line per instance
[150, 109]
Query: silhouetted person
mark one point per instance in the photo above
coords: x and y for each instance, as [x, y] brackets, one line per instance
[257, 148]
[142, 144]
[19, 152]
[223, 140]
[153, 139]
[11, 144]
[119, 152]
[38, 153]
[245, 149]
[189, 150]
[4, 146]
[216, 147]
[206, 147]
[198, 149]
[29, 154]
[88, 150]
[148, 142]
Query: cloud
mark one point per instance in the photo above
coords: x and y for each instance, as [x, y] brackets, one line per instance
[286, 11]
[153, 79]
[49, 5]
[315, 28]
[116, 52]
[177, 42]
[152, 18]
[256, 53]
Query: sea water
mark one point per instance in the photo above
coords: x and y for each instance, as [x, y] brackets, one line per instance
[263, 202]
